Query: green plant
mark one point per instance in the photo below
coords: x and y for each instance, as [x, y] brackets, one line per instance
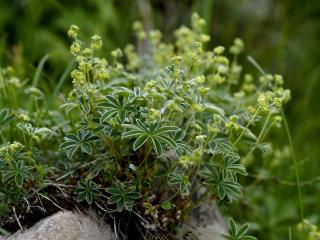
[87, 191]
[238, 233]
[142, 134]
[74, 142]
[158, 136]
[122, 196]
[309, 230]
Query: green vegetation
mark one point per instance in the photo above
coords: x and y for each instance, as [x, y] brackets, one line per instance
[172, 107]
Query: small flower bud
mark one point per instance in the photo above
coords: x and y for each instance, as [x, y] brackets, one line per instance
[204, 38]
[24, 117]
[96, 43]
[200, 79]
[177, 60]
[75, 48]
[218, 50]
[73, 31]
[117, 53]
[203, 90]
[278, 79]
[197, 107]
[154, 114]
[201, 138]
[286, 95]
[155, 36]
[278, 102]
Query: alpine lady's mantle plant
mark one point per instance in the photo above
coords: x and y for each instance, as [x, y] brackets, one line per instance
[140, 135]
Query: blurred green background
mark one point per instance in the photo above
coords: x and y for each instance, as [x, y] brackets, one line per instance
[282, 35]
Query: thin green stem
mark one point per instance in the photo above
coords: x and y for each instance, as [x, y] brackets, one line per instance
[146, 156]
[248, 124]
[172, 197]
[295, 163]
[263, 130]
[254, 63]
[290, 233]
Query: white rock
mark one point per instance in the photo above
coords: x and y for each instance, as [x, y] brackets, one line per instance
[205, 223]
[66, 225]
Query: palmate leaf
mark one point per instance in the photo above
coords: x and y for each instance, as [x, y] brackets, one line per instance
[17, 171]
[224, 187]
[4, 117]
[220, 185]
[182, 146]
[158, 136]
[179, 181]
[69, 106]
[114, 107]
[157, 146]
[230, 168]
[134, 95]
[236, 233]
[30, 130]
[139, 142]
[221, 146]
[82, 140]
[87, 191]
[123, 197]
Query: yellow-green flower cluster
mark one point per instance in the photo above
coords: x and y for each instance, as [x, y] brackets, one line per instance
[8, 80]
[195, 157]
[215, 125]
[268, 100]
[162, 54]
[139, 30]
[248, 86]
[218, 50]
[232, 125]
[237, 47]
[117, 53]
[96, 42]
[90, 69]
[150, 86]
[217, 79]
[133, 60]
[73, 31]
[189, 41]
[7, 151]
[186, 161]
[311, 229]
[24, 117]
[154, 114]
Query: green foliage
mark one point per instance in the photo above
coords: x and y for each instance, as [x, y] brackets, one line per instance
[238, 233]
[4, 117]
[181, 182]
[154, 134]
[143, 133]
[223, 186]
[87, 191]
[113, 106]
[17, 171]
[124, 197]
[288, 30]
[74, 142]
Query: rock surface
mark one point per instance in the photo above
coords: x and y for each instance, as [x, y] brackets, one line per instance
[205, 223]
[66, 225]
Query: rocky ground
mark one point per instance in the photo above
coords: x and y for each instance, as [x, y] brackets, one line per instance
[205, 223]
